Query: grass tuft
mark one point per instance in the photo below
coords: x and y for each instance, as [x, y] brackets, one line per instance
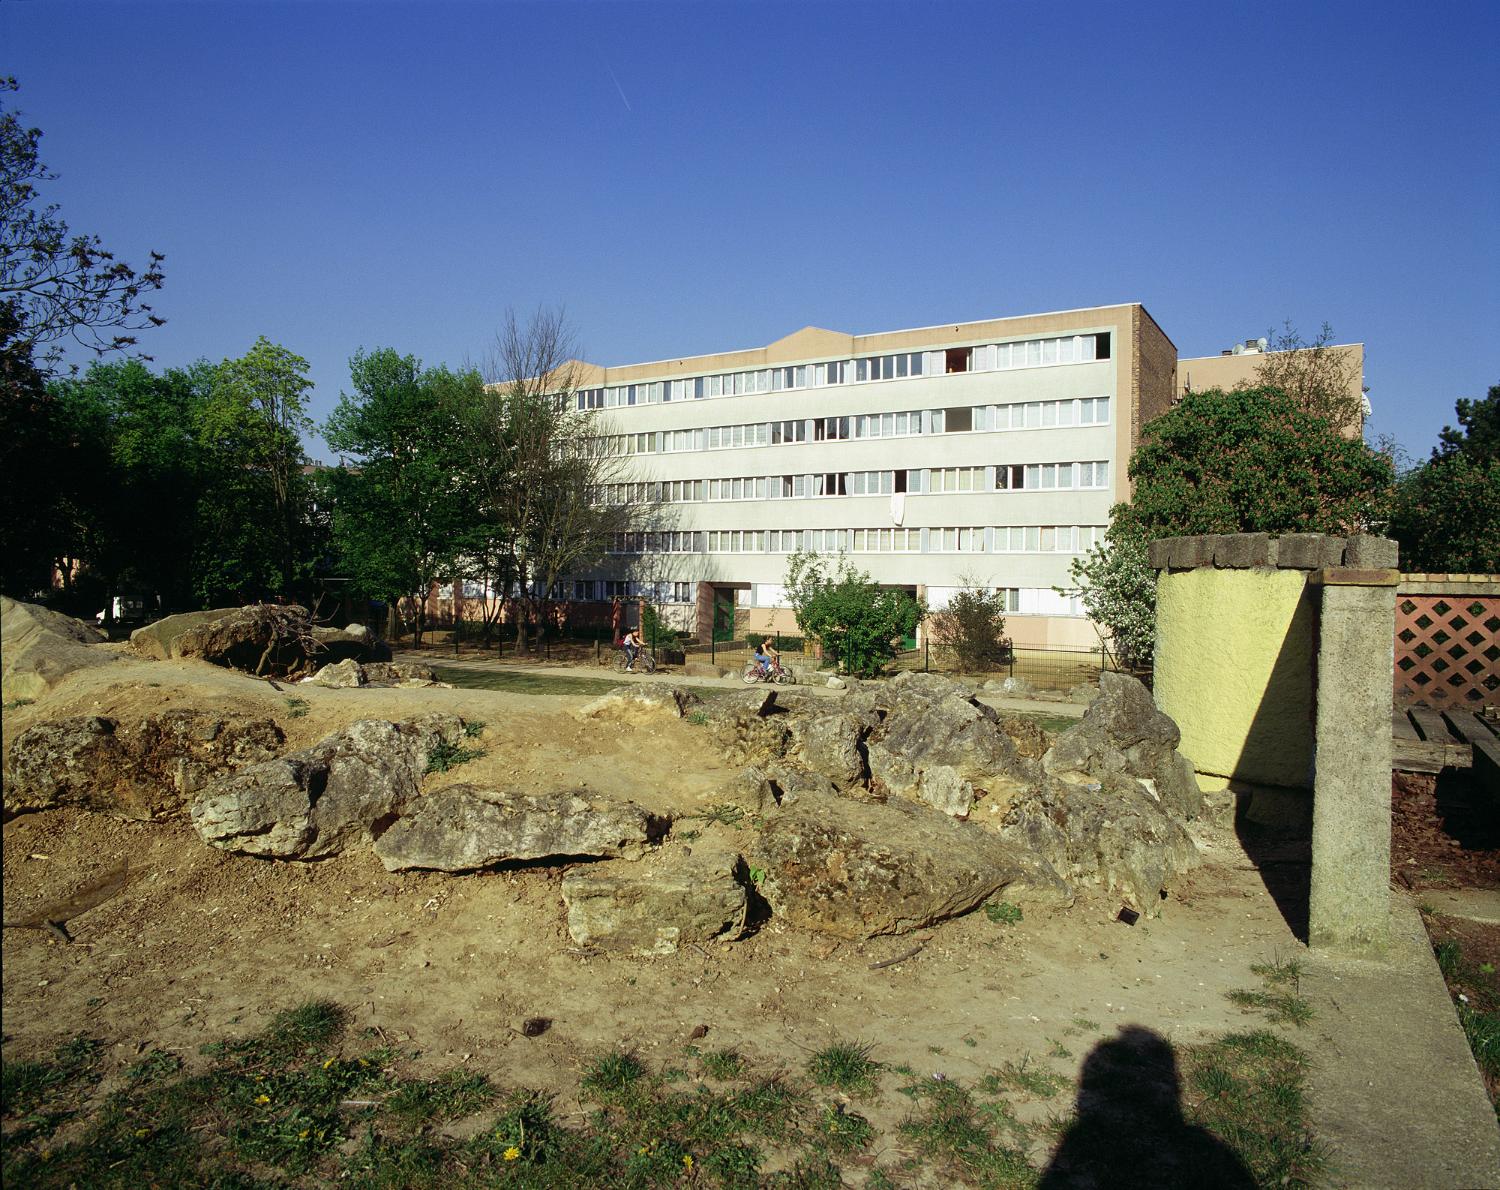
[444, 756]
[1003, 913]
[613, 1074]
[845, 1065]
[723, 1064]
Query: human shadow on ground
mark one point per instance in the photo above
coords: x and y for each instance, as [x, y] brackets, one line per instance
[1129, 1131]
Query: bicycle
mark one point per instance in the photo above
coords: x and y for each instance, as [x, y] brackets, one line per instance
[644, 662]
[780, 675]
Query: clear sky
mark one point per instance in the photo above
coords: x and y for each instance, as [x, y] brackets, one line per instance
[696, 177]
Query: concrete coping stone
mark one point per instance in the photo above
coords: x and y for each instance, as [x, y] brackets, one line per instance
[1345, 576]
[1312, 552]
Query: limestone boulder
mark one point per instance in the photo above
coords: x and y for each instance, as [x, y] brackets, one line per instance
[274, 640]
[639, 704]
[341, 675]
[461, 828]
[858, 869]
[752, 726]
[762, 788]
[353, 643]
[40, 647]
[142, 768]
[831, 743]
[405, 674]
[1112, 832]
[158, 641]
[1123, 732]
[346, 789]
[937, 744]
[653, 906]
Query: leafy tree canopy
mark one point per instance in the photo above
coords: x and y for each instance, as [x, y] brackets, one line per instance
[1251, 461]
[1118, 587]
[858, 624]
[1447, 511]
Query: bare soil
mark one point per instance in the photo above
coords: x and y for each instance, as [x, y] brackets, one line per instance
[195, 943]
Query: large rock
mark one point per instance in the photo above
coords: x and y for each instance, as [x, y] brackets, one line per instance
[158, 641]
[752, 726]
[268, 639]
[1113, 832]
[40, 647]
[353, 643]
[938, 745]
[347, 788]
[637, 704]
[341, 675]
[856, 869]
[653, 906]
[461, 828]
[831, 744]
[1123, 732]
[144, 768]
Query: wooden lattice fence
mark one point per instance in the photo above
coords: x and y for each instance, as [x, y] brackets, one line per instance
[1448, 640]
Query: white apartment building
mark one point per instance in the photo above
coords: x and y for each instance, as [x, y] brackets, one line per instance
[982, 452]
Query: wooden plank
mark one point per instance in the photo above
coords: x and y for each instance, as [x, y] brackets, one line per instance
[1401, 728]
[1467, 726]
[1415, 756]
[1430, 724]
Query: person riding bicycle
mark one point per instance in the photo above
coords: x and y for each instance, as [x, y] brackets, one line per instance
[632, 644]
[767, 656]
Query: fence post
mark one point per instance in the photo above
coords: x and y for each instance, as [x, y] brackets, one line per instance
[596, 647]
[926, 653]
[713, 648]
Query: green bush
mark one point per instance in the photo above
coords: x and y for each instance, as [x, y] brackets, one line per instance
[858, 623]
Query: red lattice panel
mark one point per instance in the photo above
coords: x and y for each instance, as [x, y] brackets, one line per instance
[1447, 649]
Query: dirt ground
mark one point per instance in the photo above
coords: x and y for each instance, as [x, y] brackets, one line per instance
[197, 944]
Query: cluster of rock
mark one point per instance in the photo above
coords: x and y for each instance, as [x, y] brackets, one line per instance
[275, 640]
[41, 648]
[879, 812]
[349, 674]
[908, 802]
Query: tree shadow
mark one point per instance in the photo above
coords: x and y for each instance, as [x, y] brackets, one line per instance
[1129, 1130]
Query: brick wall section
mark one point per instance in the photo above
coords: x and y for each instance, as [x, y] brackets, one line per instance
[1154, 374]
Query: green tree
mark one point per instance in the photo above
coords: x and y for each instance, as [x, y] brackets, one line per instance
[973, 626]
[1320, 377]
[1447, 511]
[858, 624]
[253, 525]
[33, 462]
[1251, 461]
[130, 489]
[404, 511]
[60, 286]
[542, 467]
[1118, 587]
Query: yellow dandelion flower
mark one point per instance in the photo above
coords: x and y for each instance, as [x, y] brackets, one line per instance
[687, 1161]
[303, 1134]
[262, 1099]
[511, 1153]
[329, 1063]
[140, 1132]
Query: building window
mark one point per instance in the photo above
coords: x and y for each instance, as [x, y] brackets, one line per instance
[957, 359]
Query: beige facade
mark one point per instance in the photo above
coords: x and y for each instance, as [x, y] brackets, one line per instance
[1240, 368]
[984, 452]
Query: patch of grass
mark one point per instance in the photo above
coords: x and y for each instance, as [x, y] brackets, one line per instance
[1003, 913]
[613, 1074]
[474, 728]
[1249, 1090]
[723, 1064]
[450, 1096]
[697, 718]
[296, 707]
[1280, 1008]
[723, 813]
[948, 1127]
[844, 1131]
[514, 682]
[1449, 958]
[1058, 1050]
[1028, 1079]
[1279, 1002]
[1476, 998]
[845, 1066]
[444, 756]
[155, 1066]
[26, 1087]
[16, 703]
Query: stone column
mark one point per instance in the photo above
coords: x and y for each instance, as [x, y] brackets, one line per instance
[1349, 906]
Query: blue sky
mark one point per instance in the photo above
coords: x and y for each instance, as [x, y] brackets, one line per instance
[697, 177]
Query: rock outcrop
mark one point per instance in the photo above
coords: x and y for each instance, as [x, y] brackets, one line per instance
[158, 641]
[1123, 732]
[656, 905]
[145, 768]
[1113, 832]
[40, 647]
[856, 870]
[346, 789]
[636, 704]
[461, 828]
[351, 675]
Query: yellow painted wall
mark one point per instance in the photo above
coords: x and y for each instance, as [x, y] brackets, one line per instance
[1236, 667]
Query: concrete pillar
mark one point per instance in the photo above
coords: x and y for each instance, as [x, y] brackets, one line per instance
[1349, 905]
